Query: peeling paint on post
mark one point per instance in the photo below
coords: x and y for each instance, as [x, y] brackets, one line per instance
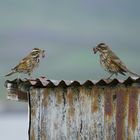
[85, 111]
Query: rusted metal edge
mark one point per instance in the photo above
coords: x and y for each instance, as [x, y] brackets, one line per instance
[44, 82]
[18, 89]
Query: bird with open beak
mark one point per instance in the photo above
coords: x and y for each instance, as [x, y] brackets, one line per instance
[29, 63]
[111, 62]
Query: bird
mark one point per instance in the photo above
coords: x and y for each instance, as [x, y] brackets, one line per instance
[29, 63]
[111, 62]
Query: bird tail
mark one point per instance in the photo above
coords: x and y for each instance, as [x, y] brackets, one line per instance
[133, 74]
[12, 72]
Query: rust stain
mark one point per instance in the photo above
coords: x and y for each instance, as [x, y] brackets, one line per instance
[82, 94]
[59, 95]
[33, 113]
[33, 103]
[122, 100]
[94, 94]
[108, 102]
[70, 96]
[71, 111]
[46, 93]
[133, 108]
[32, 135]
[22, 95]
[70, 100]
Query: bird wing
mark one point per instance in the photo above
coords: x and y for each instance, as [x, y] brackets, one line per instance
[23, 65]
[116, 60]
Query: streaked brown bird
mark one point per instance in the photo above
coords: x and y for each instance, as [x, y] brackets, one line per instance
[111, 62]
[29, 63]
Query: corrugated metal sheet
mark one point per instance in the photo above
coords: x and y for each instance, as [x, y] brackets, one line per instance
[81, 113]
[18, 89]
[74, 110]
[44, 82]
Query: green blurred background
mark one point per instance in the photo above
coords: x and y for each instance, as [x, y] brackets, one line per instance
[67, 30]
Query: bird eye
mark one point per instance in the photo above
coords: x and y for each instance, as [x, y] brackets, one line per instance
[34, 53]
[101, 44]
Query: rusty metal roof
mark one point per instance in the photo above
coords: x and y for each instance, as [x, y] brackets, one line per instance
[18, 89]
[80, 109]
[44, 82]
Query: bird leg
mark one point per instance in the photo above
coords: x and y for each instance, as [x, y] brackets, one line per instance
[18, 78]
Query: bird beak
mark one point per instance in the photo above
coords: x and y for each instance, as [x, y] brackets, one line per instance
[43, 53]
[95, 50]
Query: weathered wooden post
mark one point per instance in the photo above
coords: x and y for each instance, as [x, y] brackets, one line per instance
[90, 110]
